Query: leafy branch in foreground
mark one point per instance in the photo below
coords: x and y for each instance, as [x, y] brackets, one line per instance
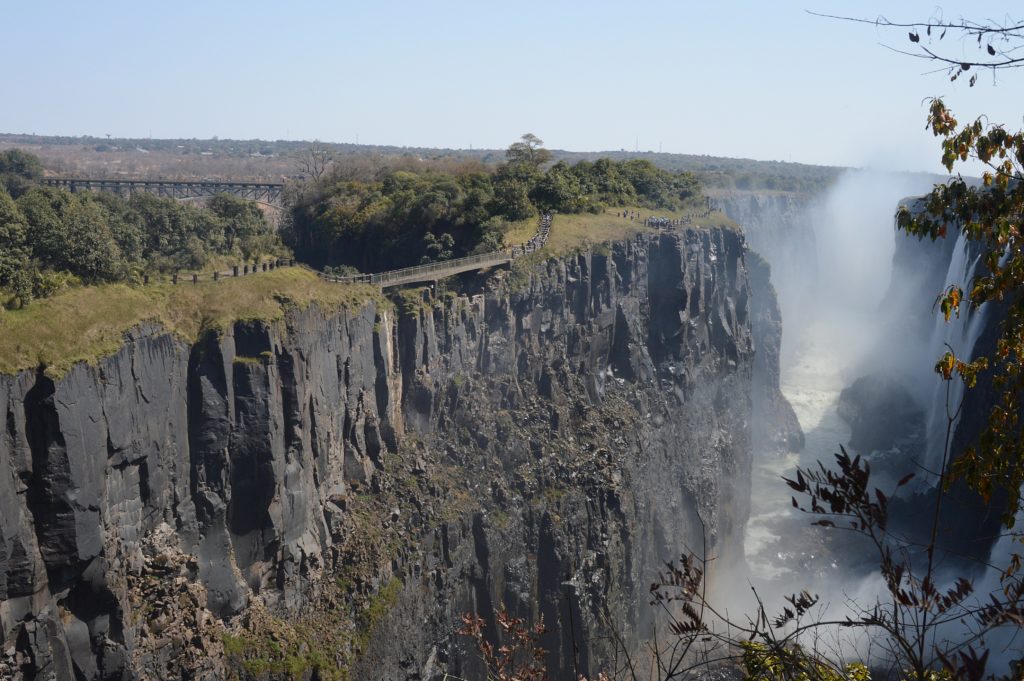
[519, 657]
[998, 44]
[990, 217]
[907, 619]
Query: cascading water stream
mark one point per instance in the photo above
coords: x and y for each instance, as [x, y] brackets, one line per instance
[961, 334]
[833, 335]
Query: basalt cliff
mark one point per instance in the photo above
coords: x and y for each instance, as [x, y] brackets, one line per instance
[325, 496]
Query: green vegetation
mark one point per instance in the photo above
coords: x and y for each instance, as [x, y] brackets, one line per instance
[288, 653]
[52, 239]
[321, 645]
[19, 171]
[378, 607]
[85, 324]
[762, 662]
[402, 218]
[410, 301]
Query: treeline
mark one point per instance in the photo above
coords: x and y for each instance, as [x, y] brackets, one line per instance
[51, 239]
[276, 158]
[401, 217]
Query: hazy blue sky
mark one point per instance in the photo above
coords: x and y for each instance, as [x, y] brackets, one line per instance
[759, 80]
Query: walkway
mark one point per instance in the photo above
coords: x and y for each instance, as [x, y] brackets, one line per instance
[448, 268]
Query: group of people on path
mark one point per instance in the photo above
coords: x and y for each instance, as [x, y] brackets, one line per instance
[662, 222]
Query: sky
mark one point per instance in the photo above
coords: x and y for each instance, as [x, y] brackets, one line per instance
[762, 80]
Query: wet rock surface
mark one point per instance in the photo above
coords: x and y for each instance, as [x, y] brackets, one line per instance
[331, 492]
[882, 415]
[775, 427]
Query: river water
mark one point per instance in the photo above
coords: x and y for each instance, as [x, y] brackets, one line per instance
[777, 541]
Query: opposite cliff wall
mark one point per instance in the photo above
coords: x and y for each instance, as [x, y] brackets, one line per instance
[780, 226]
[345, 484]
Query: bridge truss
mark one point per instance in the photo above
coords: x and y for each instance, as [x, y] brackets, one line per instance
[263, 192]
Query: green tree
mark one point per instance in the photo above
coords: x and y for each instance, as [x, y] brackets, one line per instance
[512, 195]
[44, 209]
[529, 151]
[178, 236]
[71, 232]
[245, 227]
[14, 252]
[90, 251]
[19, 171]
[127, 229]
[559, 189]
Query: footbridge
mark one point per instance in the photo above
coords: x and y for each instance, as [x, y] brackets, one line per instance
[433, 272]
[262, 192]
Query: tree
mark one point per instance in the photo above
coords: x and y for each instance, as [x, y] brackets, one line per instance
[529, 150]
[512, 196]
[245, 226]
[19, 171]
[314, 160]
[998, 44]
[44, 208]
[14, 251]
[559, 189]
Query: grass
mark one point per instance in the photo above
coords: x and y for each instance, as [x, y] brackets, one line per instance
[520, 232]
[572, 232]
[87, 324]
[292, 657]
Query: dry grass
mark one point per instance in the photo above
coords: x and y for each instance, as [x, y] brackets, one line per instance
[87, 324]
[571, 232]
[520, 232]
[574, 231]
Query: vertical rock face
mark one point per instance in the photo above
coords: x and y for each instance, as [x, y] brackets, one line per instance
[363, 477]
[914, 333]
[775, 426]
[780, 227]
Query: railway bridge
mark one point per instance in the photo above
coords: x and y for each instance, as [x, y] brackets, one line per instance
[261, 192]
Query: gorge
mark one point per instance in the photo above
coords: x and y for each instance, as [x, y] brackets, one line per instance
[343, 485]
[324, 496]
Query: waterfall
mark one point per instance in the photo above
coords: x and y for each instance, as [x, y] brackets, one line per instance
[961, 334]
[1003, 641]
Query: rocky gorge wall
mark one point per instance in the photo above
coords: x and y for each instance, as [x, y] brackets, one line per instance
[325, 496]
[898, 394]
[780, 226]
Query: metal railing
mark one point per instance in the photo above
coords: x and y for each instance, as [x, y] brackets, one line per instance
[447, 268]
